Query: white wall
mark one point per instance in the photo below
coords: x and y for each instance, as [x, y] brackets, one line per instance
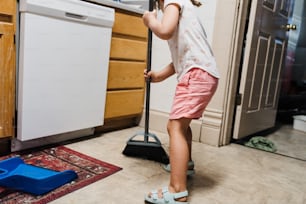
[162, 93]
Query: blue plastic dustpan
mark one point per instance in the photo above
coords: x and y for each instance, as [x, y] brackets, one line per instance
[17, 175]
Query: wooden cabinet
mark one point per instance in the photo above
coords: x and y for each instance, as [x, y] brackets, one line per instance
[7, 67]
[128, 56]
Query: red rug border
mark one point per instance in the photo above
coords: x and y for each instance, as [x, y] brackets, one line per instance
[112, 166]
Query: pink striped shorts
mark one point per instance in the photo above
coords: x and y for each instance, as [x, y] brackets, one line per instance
[193, 93]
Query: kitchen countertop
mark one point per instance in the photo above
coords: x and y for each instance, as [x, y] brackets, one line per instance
[119, 5]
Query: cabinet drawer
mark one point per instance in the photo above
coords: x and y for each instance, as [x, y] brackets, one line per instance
[7, 17]
[125, 75]
[7, 9]
[128, 49]
[124, 103]
[127, 24]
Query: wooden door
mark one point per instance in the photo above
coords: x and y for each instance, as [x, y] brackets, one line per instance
[262, 64]
[7, 67]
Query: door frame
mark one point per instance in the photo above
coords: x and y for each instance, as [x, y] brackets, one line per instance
[240, 11]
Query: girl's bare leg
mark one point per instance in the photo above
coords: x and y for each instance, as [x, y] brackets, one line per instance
[179, 133]
[189, 141]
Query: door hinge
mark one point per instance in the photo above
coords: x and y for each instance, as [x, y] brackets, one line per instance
[238, 99]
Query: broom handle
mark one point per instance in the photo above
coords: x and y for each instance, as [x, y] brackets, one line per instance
[148, 81]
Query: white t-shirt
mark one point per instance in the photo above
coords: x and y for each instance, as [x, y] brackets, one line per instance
[188, 45]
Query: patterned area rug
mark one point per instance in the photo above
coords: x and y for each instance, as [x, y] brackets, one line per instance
[60, 158]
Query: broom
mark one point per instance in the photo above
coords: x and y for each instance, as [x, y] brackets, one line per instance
[150, 147]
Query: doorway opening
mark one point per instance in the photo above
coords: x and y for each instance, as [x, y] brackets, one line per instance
[283, 138]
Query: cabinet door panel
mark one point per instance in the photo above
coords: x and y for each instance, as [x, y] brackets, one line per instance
[124, 103]
[128, 49]
[7, 70]
[125, 75]
[129, 25]
[7, 7]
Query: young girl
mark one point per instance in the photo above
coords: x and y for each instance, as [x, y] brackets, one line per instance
[195, 66]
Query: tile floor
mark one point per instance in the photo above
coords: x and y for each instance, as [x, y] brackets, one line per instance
[231, 174]
[289, 142]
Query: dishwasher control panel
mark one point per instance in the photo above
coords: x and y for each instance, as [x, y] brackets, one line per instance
[74, 10]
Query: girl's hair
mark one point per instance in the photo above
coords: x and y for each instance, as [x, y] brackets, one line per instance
[158, 5]
[196, 3]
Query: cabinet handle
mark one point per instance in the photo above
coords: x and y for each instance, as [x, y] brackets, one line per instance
[6, 18]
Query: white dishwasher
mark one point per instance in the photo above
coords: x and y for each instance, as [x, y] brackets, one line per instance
[64, 48]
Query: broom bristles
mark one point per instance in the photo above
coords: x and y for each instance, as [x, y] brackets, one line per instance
[149, 148]
[154, 153]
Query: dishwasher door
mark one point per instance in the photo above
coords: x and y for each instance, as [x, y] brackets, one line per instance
[63, 66]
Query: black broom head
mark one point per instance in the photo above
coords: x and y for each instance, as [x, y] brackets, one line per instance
[148, 147]
[155, 153]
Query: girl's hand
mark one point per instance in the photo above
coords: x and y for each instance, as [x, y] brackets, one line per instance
[150, 76]
[148, 16]
[158, 76]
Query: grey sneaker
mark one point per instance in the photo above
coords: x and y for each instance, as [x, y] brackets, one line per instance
[190, 170]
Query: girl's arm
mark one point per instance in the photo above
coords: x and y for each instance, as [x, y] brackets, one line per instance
[164, 28]
[160, 75]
